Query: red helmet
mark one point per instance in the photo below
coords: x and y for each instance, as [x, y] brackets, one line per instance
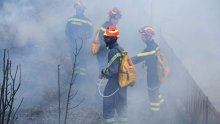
[112, 31]
[147, 30]
[115, 13]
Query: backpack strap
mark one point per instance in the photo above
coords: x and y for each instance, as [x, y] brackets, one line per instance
[118, 50]
[114, 58]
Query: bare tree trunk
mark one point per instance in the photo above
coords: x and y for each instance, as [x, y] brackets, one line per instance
[59, 91]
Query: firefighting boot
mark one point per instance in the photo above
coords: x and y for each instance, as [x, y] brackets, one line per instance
[109, 121]
[122, 121]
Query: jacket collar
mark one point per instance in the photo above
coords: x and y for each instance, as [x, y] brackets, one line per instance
[113, 45]
[149, 42]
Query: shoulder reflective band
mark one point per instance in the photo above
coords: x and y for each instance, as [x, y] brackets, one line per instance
[103, 29]
[113, 59]
[148, 53]
[76, 23]
[72, 20]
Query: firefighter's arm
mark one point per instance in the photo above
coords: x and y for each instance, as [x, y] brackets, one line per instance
[138, 58]
[142, 56]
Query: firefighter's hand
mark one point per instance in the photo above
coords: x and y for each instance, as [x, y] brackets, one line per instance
[101, 76]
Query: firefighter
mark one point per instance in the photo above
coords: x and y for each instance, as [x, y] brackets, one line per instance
[114, 16]
[117, 101]
[79, 29]
[148, 56]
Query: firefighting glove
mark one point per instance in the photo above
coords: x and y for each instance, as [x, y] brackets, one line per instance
[104, 72]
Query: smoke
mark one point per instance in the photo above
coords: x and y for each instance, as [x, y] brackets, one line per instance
[193, 36]
[34, 32]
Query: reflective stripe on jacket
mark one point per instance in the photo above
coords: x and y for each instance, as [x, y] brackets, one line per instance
[148, 56]
[79, 21]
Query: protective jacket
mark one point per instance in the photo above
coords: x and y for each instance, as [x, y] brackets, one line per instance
[79, 27]
[79, 30]
[148, 56]
[118, 101]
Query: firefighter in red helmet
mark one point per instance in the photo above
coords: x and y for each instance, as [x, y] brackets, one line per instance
[149, 57]
[115, 97]
[114, 16]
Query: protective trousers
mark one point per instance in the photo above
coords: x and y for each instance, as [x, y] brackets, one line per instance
[156, 99]
[117, 102]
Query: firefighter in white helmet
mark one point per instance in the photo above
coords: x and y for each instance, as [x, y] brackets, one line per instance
[79, 29]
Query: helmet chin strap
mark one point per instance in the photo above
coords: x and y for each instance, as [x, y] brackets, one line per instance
[109, 44]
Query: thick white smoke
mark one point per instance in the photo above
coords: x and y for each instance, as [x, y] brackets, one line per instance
[191, 28]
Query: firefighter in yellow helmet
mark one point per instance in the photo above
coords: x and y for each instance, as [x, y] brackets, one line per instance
[148, 56]
[115, 98]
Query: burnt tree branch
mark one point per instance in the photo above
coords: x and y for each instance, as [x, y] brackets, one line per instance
[73, 78]
[8, 90]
